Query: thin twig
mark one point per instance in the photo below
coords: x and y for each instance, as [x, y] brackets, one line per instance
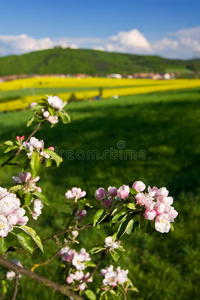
[16, 287]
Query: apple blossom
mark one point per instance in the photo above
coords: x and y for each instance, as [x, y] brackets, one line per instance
[112, 191]
[38, 205]
[10, 275]
[46, 114]
[162, 223]
[56, 102]
[75, 193]
[111, 244]
[33, 104]
[150, 214]
[53, 119]
[100, 194]
[113, 277]
[123, 191]
[139, 186]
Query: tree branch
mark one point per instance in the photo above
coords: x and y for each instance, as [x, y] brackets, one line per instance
[63, 289]
[16, 287]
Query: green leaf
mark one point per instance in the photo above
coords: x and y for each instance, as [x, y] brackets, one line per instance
[48, 162]
[98, 216]
[115, 255]
[41, 197]
[9, 149]
[30, 231]
[89, 263]
[8, 143]
[64, 117]
[3, 245]
[171, 227]
[28, 198]
[96, 250]
[26, 242]
[118, 217]
[35, 163]
[51, 110]
[15, 188]
[54, 156]
[133, 191]
[30, 122]
[90, 295]
[131, 206]
[124, 226]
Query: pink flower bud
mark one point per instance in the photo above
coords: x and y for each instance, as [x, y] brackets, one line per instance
[17, 138]
[82, 213]
[107, 203]
[22, 137]
[69, 280]
[112, 191]
[123, 191]
[46, 114]
[139, 186]
[51, 148]
[100, 194]
[33, 104]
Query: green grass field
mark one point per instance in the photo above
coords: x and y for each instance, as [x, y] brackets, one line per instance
[161, 131]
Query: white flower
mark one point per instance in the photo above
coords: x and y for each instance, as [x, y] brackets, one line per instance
[4, 226]
[53, 119]
[110, 243]
[162, 223]
[35, 143]
[56, 102]
[10, 275]
[3, 192]
[38, 205]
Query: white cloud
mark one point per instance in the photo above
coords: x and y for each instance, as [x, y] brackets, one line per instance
[180, 44]
[131, 41]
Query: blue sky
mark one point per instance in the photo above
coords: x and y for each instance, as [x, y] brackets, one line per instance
[170, 28]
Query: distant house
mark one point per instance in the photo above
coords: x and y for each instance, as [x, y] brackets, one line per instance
[117, 76]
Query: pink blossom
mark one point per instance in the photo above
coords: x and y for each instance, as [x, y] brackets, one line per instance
[150, 214]
[51, 148]
[112, 191]
[46, 114]
[100, 194]
[123, 191]
[75, 193]
[33, 104]
[141, 199]
[139, 186]
[159, 207]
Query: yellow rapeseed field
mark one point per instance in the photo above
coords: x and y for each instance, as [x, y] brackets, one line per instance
[111, 87]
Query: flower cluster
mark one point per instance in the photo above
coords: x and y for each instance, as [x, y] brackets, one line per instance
[113, 277]
[49, 111]
[158, 206]
[11, 213]
[36, 145]
[77, 259]
[157, 203]
[80, 277]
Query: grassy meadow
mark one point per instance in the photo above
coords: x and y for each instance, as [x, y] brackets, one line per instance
[150, 137]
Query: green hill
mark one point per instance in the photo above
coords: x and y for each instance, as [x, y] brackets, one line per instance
[73, 61]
